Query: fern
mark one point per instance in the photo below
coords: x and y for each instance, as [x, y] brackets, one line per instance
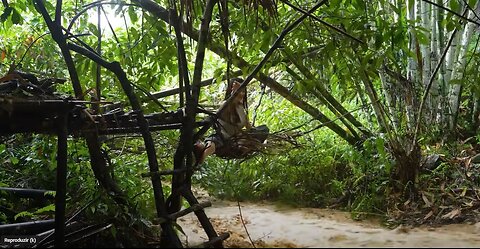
[23, 214]
[49, 208]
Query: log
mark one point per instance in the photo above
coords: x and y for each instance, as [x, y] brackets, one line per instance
[28, 193]
[27, 228]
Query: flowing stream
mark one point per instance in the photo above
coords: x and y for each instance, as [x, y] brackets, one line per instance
[270, 225]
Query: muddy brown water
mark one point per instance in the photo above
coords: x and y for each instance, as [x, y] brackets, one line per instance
[270, 225]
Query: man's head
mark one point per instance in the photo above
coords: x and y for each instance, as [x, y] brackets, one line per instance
[233, 86]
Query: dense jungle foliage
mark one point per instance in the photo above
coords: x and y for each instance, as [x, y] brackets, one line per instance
[381, 99]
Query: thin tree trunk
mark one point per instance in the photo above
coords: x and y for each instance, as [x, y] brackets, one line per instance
[174, 200]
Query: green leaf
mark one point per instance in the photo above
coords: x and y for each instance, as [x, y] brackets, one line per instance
[472, 3]
[380, 143]
[92, 28]
[16, 17]
[6, 13]
[23, 214]
[359, 5]
[178, 227]
[422, 38]
[113, 230]
[49, 6]
[450, 25]
[395, 9]
[21, 5]
[133, 15]
[119, 9]
[218, 73]
[49, 208]
[398, 36]
[378, 40]
[456, 81]
[455, 6]
[265, 43]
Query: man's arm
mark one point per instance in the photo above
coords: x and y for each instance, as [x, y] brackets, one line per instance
[248, 125]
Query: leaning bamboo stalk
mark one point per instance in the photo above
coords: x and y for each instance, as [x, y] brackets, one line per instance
[173, 202]
[325, 97]
[373, 96]
[307, 84]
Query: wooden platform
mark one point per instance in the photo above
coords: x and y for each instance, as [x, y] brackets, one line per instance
[24, 115]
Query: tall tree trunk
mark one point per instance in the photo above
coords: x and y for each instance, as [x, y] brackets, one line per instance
[441, 84]
[458, 70]
[411, 63]
[451, 56]
[435, 55]
[427, 57]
